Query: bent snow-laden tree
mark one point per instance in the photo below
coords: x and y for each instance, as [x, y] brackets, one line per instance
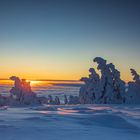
[90, 92]
[106, 88]
[133, 92]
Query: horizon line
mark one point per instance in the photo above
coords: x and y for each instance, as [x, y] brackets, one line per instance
[42, 79]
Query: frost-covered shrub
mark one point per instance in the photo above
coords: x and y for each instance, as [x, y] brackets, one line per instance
[65, 99]
[73, 100]
[4, 101]
[43, 100]
[57, 100]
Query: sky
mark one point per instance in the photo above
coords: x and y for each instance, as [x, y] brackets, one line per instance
[58, 39]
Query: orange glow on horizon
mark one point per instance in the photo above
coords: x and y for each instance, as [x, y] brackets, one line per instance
[75, 73]
[60, 71]
[34, 82]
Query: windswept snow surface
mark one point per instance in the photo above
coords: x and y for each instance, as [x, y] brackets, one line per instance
[79, 122]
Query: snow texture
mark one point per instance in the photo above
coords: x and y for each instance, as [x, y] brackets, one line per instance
[71, 122]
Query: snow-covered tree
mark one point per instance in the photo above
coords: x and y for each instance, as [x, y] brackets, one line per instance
[57, 100]
[118, 85]
[133, 92]
[89, 92]
[106, 80]
[50, 99]
[16, 91]
[136, 77]
[106, 88]
[21, 92]
[65, 99]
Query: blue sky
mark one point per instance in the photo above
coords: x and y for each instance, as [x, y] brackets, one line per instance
[57, 39]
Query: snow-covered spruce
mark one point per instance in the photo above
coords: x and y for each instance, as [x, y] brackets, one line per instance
[21, 93]
[133, 92]
[108, 87]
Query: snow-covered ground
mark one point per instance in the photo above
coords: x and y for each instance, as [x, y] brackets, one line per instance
[80, 122]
